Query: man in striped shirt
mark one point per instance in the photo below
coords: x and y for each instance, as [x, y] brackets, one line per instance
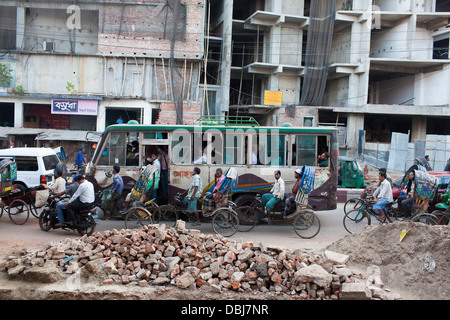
[194, 192]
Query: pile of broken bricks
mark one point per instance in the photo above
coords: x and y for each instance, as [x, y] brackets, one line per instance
[162, 255]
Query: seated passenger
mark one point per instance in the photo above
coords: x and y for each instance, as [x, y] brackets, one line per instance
[290, 201]
[322, 160]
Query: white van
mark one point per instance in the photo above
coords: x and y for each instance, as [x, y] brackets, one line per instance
[34, 165]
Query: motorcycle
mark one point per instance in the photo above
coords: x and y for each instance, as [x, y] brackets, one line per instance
[443, 209]
[84, 219]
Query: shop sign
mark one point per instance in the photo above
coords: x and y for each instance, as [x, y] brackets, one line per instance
[76, 107]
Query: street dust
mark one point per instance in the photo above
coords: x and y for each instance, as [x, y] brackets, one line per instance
[159, 262]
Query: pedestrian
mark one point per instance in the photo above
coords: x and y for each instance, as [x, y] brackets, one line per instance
[276, 194]
[164, 173]
[193, 193]
[80, 160]
[111, 195]
[120, 120]
[157, 165]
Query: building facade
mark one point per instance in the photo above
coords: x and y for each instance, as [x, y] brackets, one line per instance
[388, 67]
[87, 64]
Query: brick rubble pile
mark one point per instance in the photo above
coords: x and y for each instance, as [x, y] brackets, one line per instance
[161, 255]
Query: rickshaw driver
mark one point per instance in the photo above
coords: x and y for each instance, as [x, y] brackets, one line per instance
[383, 195]
[276, 194]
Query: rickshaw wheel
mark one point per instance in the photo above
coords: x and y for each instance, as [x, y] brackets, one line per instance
[225, 222]
[426, 218]
[306, 224]
[137, 217]
[165, 214]
[19, 212]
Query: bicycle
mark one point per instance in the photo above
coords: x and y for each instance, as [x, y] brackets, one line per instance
[357, 219]
[224, 219]
[306, 223]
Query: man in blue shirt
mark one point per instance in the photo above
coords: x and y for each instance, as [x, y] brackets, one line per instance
[80, 161]
[109, 196]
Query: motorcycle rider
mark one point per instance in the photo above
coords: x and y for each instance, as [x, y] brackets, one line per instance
[83, 198]
[61, 205]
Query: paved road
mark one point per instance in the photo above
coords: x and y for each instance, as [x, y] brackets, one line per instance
[279, 234]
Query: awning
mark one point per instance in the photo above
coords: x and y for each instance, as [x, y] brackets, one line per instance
[52, 134]
[69, 135]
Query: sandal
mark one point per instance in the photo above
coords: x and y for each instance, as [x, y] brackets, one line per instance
[196, 224]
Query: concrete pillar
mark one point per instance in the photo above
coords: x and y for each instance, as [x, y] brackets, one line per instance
[419, 128]
[225, 71]
[20, 27]
[101, 116]
[18, 114]
[355, 122]
[147, 113]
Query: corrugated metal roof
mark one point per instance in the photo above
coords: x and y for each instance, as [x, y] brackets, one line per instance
[52, 134]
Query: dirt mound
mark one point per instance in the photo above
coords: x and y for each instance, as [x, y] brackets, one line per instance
[417, 266]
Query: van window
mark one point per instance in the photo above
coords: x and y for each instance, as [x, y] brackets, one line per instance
[27, 164]
[50, 162]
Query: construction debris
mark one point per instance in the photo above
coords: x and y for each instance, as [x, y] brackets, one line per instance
[188, 259]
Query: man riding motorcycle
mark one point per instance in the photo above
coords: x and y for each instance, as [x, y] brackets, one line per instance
[83, 198]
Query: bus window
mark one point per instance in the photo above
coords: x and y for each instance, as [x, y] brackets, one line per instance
[234, 151]
[272, 150]
[181, 147]
[305, 151]
[215, 140]
[114, 151]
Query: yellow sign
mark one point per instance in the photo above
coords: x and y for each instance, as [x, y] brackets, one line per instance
[273, 97]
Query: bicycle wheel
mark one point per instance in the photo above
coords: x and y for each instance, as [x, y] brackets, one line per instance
[166, 214]
[18, 211]
[426, 218]
[137, 217]
[356, 220]
[306, 224]
[353, 203]
[225, 222]
[248, 218]
[443, 218]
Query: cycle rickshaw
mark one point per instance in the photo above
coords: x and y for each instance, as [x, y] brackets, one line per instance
[426, 187]
[143, 211]
[224, 219]
[305, 221]
[16, 208]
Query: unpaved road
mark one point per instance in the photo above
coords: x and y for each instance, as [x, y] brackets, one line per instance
[280, 234]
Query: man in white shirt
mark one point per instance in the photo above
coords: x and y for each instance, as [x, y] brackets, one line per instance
[60, 184]
[83, 198]
[383, 196]
[276, 194]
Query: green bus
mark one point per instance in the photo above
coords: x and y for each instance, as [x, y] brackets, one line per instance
[255, 151]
